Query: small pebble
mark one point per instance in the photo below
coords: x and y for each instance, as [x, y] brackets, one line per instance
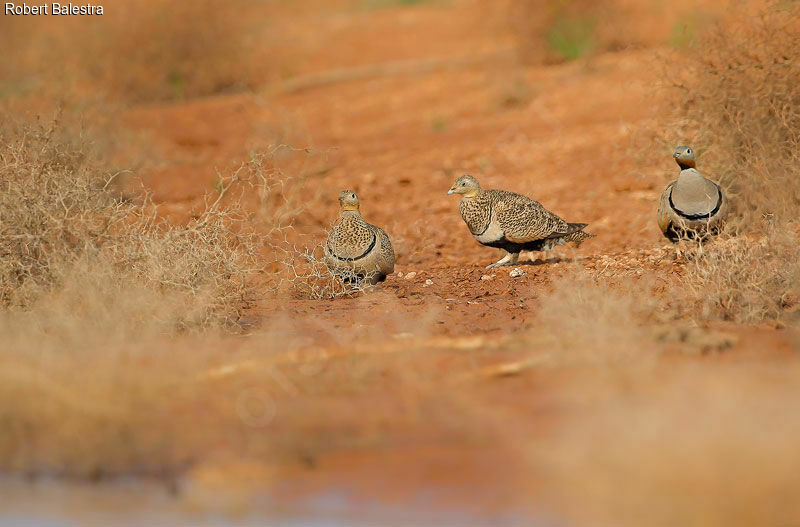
[486, 277]
[399, 274]
[428, 282]
[411, 275]
[516, 272]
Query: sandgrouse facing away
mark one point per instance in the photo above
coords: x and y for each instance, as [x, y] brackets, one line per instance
[512, 222]
[356, 250]
[691, 206]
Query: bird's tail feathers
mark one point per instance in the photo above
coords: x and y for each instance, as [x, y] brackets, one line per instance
[576, 234]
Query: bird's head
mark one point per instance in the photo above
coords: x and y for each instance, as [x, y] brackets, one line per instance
[465, 185]
[684, 156]
[348, 200]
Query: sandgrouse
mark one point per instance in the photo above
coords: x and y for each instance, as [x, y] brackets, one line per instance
[356, 250]
[691, 206]
[512, 222]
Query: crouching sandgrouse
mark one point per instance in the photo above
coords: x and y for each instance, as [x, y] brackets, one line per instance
[355, 250]
[691, 206]
[512, 222]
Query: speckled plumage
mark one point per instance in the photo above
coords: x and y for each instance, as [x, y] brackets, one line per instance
[513, 222]
[691, 206]
[354, 248]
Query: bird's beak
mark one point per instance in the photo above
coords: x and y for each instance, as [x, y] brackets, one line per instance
[451, 191]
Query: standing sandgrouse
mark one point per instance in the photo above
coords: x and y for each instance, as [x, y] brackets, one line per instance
[356, 250]
[512, 222]
[691, 206]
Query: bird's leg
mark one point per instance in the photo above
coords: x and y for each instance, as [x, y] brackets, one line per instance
[545, 250]
[502, 261]
[508, 259]
[680, 248]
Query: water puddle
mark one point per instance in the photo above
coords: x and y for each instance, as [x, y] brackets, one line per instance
[52, 503]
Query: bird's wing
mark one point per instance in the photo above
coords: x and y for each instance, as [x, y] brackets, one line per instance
[387, 251]
[722, 212]
[523, 219]
[664, 210]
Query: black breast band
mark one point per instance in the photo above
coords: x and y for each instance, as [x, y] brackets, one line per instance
[695, 217]
[371, 246]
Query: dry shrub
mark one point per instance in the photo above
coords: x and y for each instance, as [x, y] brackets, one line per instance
[747, 279]
[280, 174]
[305, 273]
[60, 219]
[53, 208]
[739, 89]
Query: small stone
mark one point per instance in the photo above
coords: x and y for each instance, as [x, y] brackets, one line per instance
[399, 274]
[411, 275]
[486, 277]
[428, 282]
[516, 273]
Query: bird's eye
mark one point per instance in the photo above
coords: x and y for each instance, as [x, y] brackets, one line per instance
[689, 151]
[463, 183]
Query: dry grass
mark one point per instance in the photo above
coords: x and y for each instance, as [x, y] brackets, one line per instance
[747, 279]
[60, 219]
[306, 274]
